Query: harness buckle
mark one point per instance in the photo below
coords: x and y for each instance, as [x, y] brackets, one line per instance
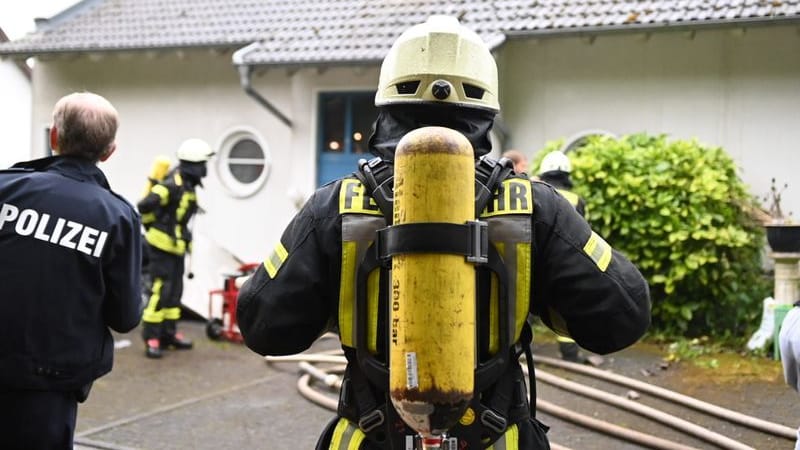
[494, 421]
[478, 242]
[371, 421]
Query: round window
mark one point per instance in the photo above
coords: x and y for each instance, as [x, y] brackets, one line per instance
[243, 163]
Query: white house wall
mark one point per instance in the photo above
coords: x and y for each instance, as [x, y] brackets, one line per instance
[15, 114]
[163, 99]
[738, 89]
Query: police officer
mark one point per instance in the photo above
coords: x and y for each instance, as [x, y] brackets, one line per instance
[166, 211]
[68, 273]
[555, 170]
[439, 73]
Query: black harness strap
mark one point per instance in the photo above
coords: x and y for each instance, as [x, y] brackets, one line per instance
[470, 239]
[499, 385]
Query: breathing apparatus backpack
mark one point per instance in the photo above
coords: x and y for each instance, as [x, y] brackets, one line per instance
[499, 391]
[158, 172]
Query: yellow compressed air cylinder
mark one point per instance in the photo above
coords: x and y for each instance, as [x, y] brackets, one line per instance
[432, 335]
[158, 170]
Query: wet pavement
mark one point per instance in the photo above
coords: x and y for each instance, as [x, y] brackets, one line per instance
[220, 395]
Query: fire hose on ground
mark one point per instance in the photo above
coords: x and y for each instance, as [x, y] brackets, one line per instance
[330, 378]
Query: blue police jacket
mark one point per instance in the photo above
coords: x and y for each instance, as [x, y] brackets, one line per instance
[70, 263]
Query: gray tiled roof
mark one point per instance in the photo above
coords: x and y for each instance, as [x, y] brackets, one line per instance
[320, 31]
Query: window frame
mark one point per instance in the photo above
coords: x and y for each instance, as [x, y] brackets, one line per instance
[232, 185]
[349, 95]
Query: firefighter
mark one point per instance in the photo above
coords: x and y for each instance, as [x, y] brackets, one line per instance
[439, 73]
[519, 159]
[166, 212]
[68, 273]
[555, 170]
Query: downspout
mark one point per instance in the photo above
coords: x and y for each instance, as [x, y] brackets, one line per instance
[245, 79]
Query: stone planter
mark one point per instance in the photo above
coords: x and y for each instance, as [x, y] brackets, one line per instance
[783, 238]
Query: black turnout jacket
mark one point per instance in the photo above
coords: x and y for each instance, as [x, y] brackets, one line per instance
[602, 310]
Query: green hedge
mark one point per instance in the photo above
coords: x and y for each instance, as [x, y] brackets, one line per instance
[679, 210]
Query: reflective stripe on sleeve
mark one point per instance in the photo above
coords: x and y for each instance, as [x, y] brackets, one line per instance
[598, 250]
[162, 192]
[276, 260]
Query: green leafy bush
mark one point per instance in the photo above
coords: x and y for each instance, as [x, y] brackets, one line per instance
[679, 210]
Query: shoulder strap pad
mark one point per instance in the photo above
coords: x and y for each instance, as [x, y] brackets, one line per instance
[377, 176]
[489, 174]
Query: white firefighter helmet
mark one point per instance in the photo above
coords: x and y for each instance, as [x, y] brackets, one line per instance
[439, 61]
[195, 150]
[555, 161]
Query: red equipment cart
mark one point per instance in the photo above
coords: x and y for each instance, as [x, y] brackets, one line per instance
[226, 327]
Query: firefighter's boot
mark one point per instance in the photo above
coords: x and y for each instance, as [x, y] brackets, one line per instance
[151, 333]
[571, 352]
[153, 348]
[173, 338]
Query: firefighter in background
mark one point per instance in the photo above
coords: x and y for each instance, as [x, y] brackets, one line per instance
[519, 159]
[70, 255]
[166, 212]
[439, 73]
[555, 170]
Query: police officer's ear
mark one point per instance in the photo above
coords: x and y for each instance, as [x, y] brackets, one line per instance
[54, 139]
[108, 151]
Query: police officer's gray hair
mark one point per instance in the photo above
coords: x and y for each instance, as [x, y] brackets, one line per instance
[86, 124]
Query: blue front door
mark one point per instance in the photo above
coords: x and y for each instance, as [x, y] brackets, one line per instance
[346, 120]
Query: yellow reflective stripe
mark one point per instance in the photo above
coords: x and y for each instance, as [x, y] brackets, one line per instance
[494, 314]
[186, 201]
[162, 241]
[148, 218]
[523, 287]
[347, 299]
[598, 250]
[494, 307]
[508, 441]
[276, 259]
[571, 197]
[515, 197]
[162, 192]
[150, 314]
[347, 293]
[171, 313]
[564, 339]
[346, 436]
[354, 200]
[373, 293]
